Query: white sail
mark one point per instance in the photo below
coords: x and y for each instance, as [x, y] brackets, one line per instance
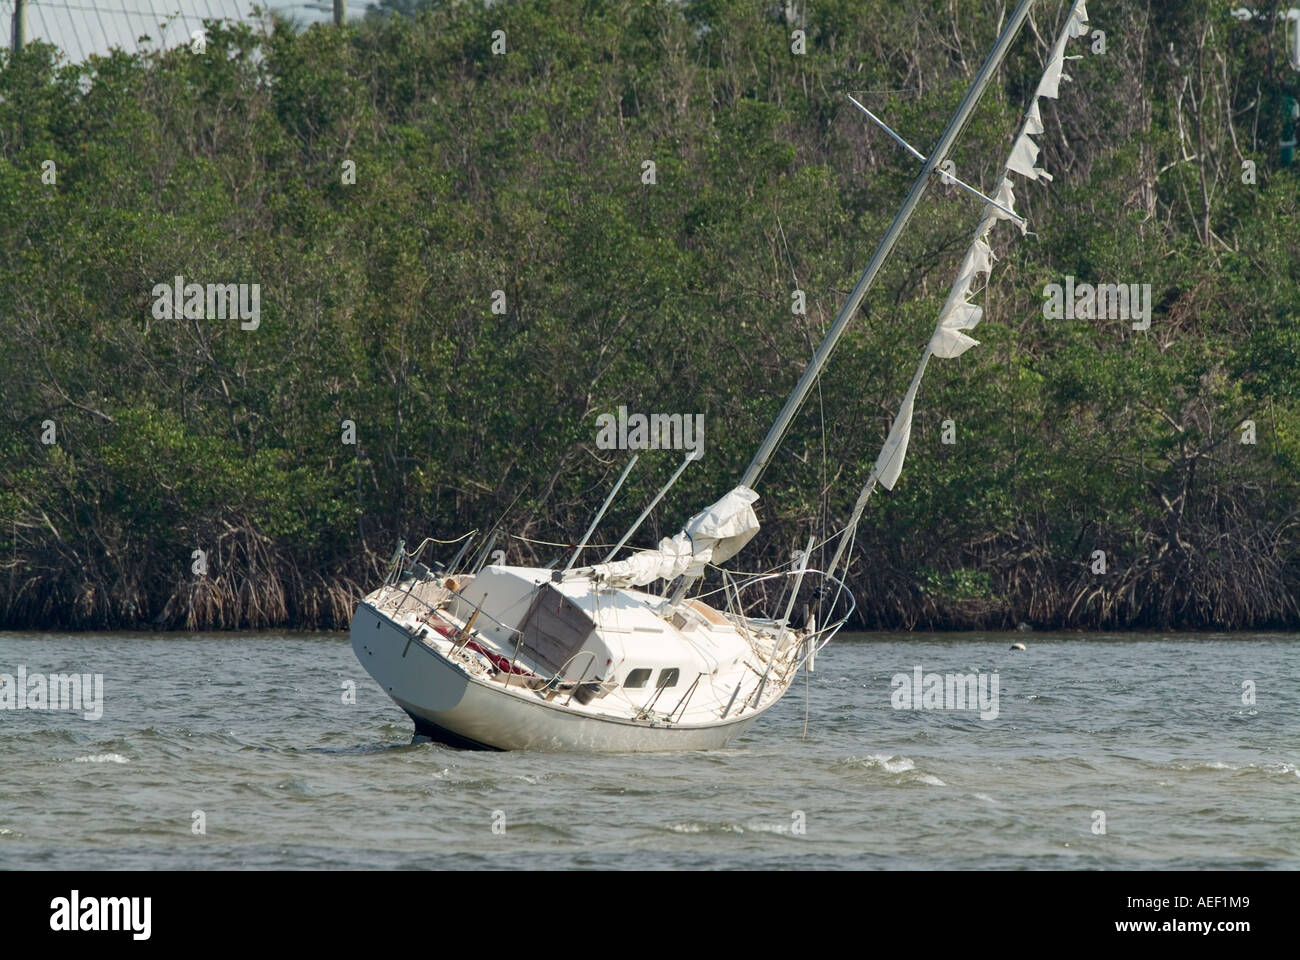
[950, 344]
[1075, 26]
[959, 315]
[1050, 85]
[1034, 119]
[1023, 157]
[1006, 199]
[978, 259]
[962, 315]
[890, 462]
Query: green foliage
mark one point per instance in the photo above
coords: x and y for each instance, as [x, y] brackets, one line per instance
[956, 585]
[523, 173]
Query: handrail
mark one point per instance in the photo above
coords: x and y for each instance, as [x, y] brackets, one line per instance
[685, 699]
[738, 585]
[428, 540]
[456, 593]
[590, 653]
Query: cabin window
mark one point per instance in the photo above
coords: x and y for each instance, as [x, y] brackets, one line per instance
[668, 678]
[636, 678]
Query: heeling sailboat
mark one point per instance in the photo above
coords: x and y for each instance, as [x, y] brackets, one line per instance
[584, 657]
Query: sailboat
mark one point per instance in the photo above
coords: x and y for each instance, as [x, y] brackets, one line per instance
[626, 655]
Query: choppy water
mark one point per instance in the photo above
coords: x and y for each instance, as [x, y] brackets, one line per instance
[252, 730]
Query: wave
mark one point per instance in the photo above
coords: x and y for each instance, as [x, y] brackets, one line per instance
[901, 769]
[1270, 770]
[776, 827]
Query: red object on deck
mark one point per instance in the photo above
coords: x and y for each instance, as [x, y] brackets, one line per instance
[500, 662]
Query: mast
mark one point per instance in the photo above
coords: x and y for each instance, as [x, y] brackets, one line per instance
[937, 156]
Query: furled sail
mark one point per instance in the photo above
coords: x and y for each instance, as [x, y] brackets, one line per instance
[958, 316]
[713, 535]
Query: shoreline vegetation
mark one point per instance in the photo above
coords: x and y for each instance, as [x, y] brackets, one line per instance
[462, 265]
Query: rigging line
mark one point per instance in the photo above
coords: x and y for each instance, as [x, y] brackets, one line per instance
[457, 540]
[786, 246]
[821, 400]
[552, 543]
[781, 564]
[895, 90]
[884, 126]
[848, 553]
[947, 177]
[982, 233]
[45, 30]
[83, 45]
[145, 18]
[806, 697]
[496, 527]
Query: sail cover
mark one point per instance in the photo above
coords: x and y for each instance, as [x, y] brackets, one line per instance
[713, 535]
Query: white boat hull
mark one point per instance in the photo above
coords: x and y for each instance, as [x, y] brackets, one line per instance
[449, 705]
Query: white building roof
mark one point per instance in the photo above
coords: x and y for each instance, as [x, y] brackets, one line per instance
[84, 27]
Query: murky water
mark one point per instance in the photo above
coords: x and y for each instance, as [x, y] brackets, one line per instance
[1151, 738]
